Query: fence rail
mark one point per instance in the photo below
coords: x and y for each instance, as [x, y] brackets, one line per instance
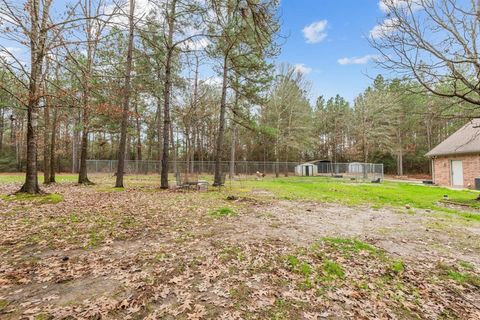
[206, 167]
[353, 170]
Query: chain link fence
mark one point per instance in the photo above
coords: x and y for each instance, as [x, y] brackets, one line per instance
[365, 171]
[200, 167]
[353, 170]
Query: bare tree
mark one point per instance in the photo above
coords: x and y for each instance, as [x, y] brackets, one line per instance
[30, 24]
[181, 27]
[126, 97]
[434, 42]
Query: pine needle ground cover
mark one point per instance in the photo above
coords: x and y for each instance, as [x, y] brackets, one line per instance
[289, 248]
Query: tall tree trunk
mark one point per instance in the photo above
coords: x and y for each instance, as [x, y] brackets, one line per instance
[232, 150]
[187, 148]
[126, 100]
[37, 48]
[87, 75]
[2, 127]
[75, 139]
[17, 144]
[46, 142]
[400, 162]
[31, 178]
[192, 153]
[139, 137]
[191, 149]
[82, 175]
[167, 92]
[234, 139]
[159, 119]
[221, 126]
[286, 162]
[400, 156]
[53, 135]
[277, 160]
[174, 149]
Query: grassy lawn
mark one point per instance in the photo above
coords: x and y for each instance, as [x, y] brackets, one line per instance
[324, 189]
[393, 194]
[19, 178]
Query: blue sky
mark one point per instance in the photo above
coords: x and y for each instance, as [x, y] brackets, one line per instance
[348, 24]
[326, 38]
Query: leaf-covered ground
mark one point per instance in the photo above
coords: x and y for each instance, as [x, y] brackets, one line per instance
[100, 252]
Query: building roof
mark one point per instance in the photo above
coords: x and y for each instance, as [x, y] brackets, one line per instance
[319, 160]
[305, 164]
[465, 140]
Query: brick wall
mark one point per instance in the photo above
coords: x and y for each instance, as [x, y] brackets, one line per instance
[471, 170]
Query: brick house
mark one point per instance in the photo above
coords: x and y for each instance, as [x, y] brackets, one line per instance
[456, 161]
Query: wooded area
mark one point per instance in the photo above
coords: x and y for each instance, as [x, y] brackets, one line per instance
[111, 80]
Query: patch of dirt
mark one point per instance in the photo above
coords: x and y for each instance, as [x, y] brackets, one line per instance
[458, 206]
[262, 193]
[421, 235]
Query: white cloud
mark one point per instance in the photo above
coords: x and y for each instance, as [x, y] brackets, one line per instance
[302, 68]
[387, 27]
[9, 54]
[358, 60]
[315, 32]
[122, 8]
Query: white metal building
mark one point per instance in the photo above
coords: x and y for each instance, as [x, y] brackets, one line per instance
[306, 169]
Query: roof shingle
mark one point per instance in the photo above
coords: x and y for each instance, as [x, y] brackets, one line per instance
[465, 140]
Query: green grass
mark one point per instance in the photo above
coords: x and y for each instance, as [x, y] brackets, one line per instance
[333, 270]
[392, 194]
[324, 189]
[299, 267]
[108, 189]
[51, 198]
[3, 304]
[19, 178]
[223, 212]
[463, 278]
[397, 266]
[349, 245]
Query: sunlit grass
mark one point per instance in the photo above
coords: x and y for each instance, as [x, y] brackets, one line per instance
[392, 194]
[324, 189]
[50, 198]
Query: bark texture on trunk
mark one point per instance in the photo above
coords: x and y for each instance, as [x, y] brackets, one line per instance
[234, 139]
[166, 125]
[53, 146]
[139, 132]
[87, 78]
[2, 128]
[75, 141]
[31, 178]
[126, 101]
[217, 181]
[46, 143]
[82, 175]
[38, 37]
[166, 98]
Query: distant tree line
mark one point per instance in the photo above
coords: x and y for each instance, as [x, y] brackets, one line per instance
[196, 80]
